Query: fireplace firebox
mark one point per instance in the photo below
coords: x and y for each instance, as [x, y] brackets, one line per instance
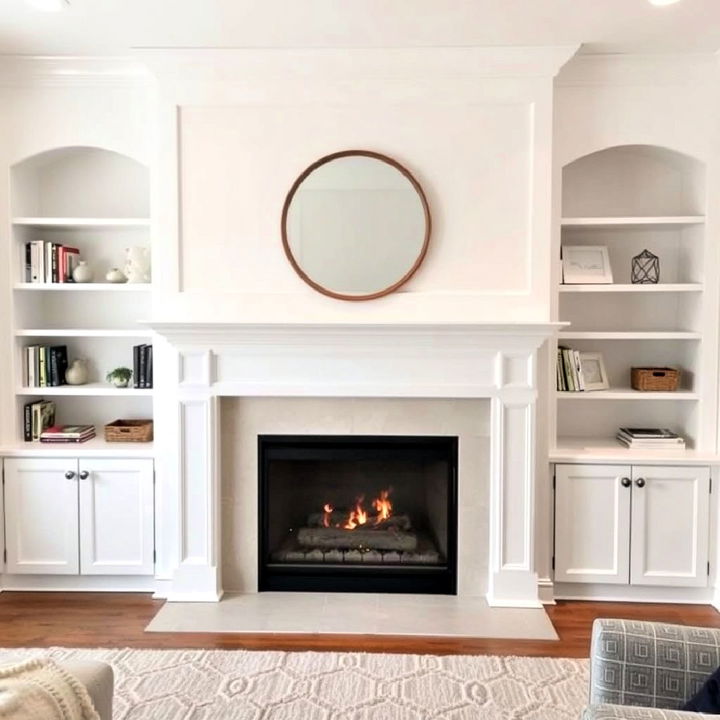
[358, 513]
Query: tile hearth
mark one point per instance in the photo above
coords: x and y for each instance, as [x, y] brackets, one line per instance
[355, 614]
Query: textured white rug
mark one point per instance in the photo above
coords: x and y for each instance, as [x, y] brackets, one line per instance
[248, 685]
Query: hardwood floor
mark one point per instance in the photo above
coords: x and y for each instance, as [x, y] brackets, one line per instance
[119, 619]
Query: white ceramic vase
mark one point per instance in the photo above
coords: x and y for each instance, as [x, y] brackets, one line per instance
[137, 264]
[82, 273]
[77, 373]
[115, 276]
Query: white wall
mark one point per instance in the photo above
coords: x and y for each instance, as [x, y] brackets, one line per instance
[473, 126]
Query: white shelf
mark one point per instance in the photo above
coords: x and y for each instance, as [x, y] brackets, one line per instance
[84, 287]
[629, 288]
[97, 447]
[76, 223]
[87, 390]
[80, 332]
[629, 335]
[626, 394]
[627, 222]
[609, 450]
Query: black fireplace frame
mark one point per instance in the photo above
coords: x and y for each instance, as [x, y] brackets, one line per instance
[356, 578]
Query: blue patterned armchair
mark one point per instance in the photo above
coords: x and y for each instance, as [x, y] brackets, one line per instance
[646, 671]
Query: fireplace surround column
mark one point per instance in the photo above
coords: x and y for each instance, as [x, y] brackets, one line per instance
[445, 361]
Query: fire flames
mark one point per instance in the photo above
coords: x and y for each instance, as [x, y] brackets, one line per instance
[358, 515]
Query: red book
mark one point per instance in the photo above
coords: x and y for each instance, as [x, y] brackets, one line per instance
[68, 262]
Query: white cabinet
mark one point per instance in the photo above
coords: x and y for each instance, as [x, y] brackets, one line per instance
[592, 523]
[621, 524]
[669, 536]
[116, 517]
[41, 518]
[70, 516]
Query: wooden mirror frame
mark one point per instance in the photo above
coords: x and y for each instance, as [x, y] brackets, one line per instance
[324, 161]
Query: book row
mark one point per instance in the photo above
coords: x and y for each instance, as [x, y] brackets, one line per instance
[38, 415]
[569, 371]
[45, 365]
[48, 262]
[143, 366]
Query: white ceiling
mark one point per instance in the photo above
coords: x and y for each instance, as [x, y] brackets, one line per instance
[112, 27]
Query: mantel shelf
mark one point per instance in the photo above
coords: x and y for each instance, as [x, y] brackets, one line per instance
[84, 287]
[632, 288]
[82, 332]
[629, 335]
[627, 222]
[87, 390]
[80, 222]
[626, 394]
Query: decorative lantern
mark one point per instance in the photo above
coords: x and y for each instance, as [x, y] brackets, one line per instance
[645, 269]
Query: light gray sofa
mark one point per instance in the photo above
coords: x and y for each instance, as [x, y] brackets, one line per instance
[96, 676]
[646, 671]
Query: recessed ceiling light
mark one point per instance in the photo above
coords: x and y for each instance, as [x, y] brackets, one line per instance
[49, 5]
[663, 2]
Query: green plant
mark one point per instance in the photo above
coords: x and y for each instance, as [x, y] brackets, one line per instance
[120, 373]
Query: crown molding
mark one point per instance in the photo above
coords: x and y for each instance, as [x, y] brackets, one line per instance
[64, 71]
[648, 69]
[227, 65]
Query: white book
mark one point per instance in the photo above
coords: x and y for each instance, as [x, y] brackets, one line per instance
[31, 361]
[48, 262]
[37, 264]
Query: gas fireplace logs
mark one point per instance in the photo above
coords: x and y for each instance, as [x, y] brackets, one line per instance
[358, 536]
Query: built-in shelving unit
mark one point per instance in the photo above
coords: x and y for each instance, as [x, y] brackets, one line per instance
[628, 199]
[98, 202]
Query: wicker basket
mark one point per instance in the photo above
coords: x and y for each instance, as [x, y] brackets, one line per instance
[129, 431]
[655, 379]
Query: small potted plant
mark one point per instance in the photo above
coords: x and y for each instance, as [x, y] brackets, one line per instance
[119, 377]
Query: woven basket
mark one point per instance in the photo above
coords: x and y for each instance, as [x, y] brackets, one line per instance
[655, 379]
[129, 431]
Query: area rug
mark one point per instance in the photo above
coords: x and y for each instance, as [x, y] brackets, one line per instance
[251, 685]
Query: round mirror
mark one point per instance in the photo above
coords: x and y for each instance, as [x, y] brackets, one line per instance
[356, 225]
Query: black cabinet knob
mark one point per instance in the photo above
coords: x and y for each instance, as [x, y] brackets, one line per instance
[640, 482]
[626, 482]
[70, 474]
[84, 474]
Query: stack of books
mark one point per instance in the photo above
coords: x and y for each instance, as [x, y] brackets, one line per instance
[37, 417]
[143, 366]
[48, 262]
[45, 366]
[569, 372]
[67, 434]
[650, 439]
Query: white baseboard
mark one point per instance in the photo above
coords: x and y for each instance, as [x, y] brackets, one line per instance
[626, 593]
[77, 583]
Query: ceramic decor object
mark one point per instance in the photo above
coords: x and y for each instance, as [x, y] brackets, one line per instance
[116, 276]
[77, 373]
[137, 264]
[82, 273]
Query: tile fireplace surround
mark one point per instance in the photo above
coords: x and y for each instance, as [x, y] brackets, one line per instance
[496, 361]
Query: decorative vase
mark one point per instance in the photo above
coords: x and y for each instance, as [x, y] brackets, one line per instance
[137, 264]
[82, 273]
[119, 382]
[77, 373]
[116, 276]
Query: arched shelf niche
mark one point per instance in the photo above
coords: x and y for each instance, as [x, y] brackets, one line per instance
[633, 181]
[80, 182]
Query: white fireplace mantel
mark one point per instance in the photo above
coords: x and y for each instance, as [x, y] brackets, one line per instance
[480, 360]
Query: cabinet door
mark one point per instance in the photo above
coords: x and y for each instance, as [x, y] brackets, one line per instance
[670, 513]
[41, 516]
[116, 517]
[592, 523]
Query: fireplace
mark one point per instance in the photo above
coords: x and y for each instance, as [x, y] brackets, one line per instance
[358, 513]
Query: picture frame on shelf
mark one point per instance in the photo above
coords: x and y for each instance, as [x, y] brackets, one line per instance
[586, 265]
[595, 375]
